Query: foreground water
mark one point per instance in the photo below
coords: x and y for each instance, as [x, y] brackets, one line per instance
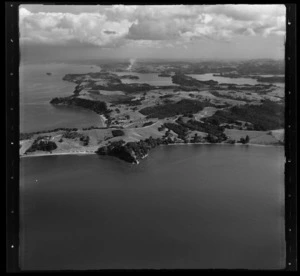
[196, 206]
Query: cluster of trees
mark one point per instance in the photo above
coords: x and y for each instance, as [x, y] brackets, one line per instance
[96, 106]
[267, 116]
[42, 143]
[196, 138]
[132, 151]
[211, 138]
[164, 75]
[184, 80]
[93, 127]
[117, 132]
[129, 101]
[166, 96]
[25, 136]
[180, 130]
[212, 128]
[74, 135]
[148, 123]
[161, 128]
[131, 77]
[244, 140]
[215, 132]
[85, 140]
[172, 109]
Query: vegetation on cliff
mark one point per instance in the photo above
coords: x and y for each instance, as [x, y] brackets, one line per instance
[267, 116]
[96, 106]
[131, 152]
[172, 109]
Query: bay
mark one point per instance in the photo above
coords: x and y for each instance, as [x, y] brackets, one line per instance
[195, 206]
[36, 91]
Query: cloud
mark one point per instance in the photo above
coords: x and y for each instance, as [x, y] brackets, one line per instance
[65, 28]
[153, 30]
[247, 12]
[146, 25]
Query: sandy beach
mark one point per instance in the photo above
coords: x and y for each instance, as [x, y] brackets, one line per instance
[176, 144]
[58, 153]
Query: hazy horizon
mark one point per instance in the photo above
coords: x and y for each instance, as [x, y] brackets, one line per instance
[181, 32]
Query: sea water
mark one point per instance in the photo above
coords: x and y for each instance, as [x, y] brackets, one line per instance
[187, 206]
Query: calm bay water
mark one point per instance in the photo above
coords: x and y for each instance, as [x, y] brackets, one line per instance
[210, 76]
[37, 89]
[197, 206]
[154, 79]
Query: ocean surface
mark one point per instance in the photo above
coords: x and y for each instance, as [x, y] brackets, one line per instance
[189, 206]
[37, 89]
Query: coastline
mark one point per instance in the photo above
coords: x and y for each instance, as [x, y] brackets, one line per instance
[175, 144]
[58, 153]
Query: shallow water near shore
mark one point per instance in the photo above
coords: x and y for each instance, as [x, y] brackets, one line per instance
[196, 206]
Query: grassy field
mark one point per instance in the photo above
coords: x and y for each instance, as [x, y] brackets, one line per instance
[256, 137]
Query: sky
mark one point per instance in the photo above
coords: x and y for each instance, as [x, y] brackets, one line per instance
[69, 32]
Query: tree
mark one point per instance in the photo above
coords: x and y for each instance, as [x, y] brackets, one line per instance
[117, 132]
[195, 138]
[244, 140]
[210, 138]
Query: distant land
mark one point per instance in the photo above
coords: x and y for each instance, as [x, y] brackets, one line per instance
[141, 116]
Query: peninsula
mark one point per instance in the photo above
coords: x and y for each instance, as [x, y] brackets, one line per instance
[140, 116]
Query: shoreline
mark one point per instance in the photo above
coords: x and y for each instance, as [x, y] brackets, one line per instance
[175, 144]
[57, 154]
